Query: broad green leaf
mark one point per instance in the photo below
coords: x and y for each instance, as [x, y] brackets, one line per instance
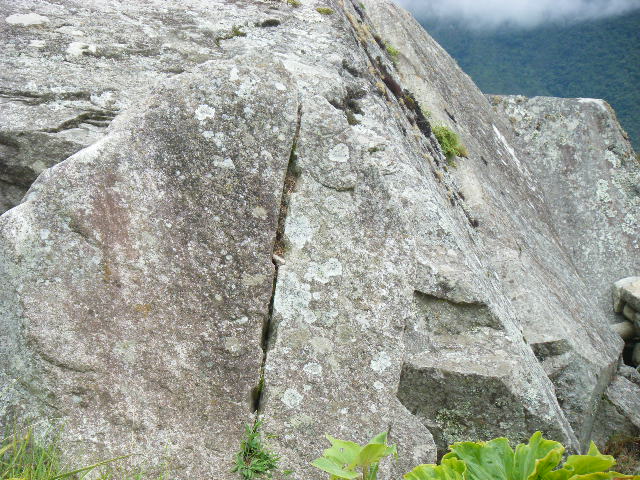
[604, 476]
[380, 438]
[341, 451]
[371, 453]
[537, 458]
[449, 469]
[334, 469]
[592, 462]
[485, 460]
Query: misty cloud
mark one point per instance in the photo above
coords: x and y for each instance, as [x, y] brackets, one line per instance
[483, 14]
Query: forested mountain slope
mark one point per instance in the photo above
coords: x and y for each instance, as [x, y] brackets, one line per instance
[595, 59]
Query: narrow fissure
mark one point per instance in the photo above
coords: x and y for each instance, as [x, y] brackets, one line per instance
[277, 257]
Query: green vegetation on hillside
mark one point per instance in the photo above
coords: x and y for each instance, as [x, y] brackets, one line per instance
[595, 59]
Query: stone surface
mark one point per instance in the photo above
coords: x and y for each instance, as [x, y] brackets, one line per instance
[619, 412]
[280, 188]
[514, 235]
[630, 373]
[626, 330]
[136, 277]
[588, 172]
[626, 293]
[68, 68]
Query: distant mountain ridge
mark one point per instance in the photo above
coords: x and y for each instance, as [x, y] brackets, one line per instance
[596, 59]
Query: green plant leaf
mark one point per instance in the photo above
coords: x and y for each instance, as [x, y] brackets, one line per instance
[371, 453]
[334, 469]
[380, 438]
[449, 469]
[492, 460]
[592, 462]
[537, 458]
[342, 452]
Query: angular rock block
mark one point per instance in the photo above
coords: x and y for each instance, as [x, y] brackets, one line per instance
[136, 277]
[619, 413]
[626, 293]
[468, 387]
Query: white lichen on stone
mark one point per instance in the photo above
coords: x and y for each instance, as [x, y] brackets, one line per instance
[232, 345]
[323, 272]
[313, 368]
[26, 19]
[595, 101]
[224, 163]
[298, 230]
[259, 212]
[292, 298]
[339, 153]
[292, 398]
[381, 362]
[77, 49]
[204, 113]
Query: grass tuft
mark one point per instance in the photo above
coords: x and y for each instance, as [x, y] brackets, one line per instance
[393, 52]
[254, 460]
[449, 142]
[22, 457]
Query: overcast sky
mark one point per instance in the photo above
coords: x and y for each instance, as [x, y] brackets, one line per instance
[522, 13]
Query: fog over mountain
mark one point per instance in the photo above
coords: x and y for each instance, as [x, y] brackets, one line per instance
[486, 14]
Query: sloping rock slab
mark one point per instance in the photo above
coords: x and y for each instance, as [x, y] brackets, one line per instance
[136, 277]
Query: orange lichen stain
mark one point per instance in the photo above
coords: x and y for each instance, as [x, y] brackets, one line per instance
[143, 308]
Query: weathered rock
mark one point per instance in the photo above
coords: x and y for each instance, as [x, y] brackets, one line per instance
[626, 330]
[588, 172]
[619, 412]
[136, 277]
[630, 373]
[626, 292]
[68, 69]
[513, 233]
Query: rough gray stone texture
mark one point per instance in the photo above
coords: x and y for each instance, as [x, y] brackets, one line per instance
[619, 412]
[589, 174]
[433, 302]
[136, 276]
[515, 239]
[626, 292]
[63, 77]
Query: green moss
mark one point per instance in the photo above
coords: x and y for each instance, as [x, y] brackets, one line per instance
[235, 32]
[393, 52]
[294, 3]
[449, 142]
[325, 10]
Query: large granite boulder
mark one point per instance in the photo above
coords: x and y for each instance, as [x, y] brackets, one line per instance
[589, 174]
[138, 298]
[514, 233]
[135, 278]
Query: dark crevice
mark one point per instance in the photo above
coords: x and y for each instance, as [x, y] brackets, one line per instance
[97, 118]
[290, 182]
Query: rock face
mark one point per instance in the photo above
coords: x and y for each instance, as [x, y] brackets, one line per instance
[587, 170]
[133, 305]
[138, 298]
